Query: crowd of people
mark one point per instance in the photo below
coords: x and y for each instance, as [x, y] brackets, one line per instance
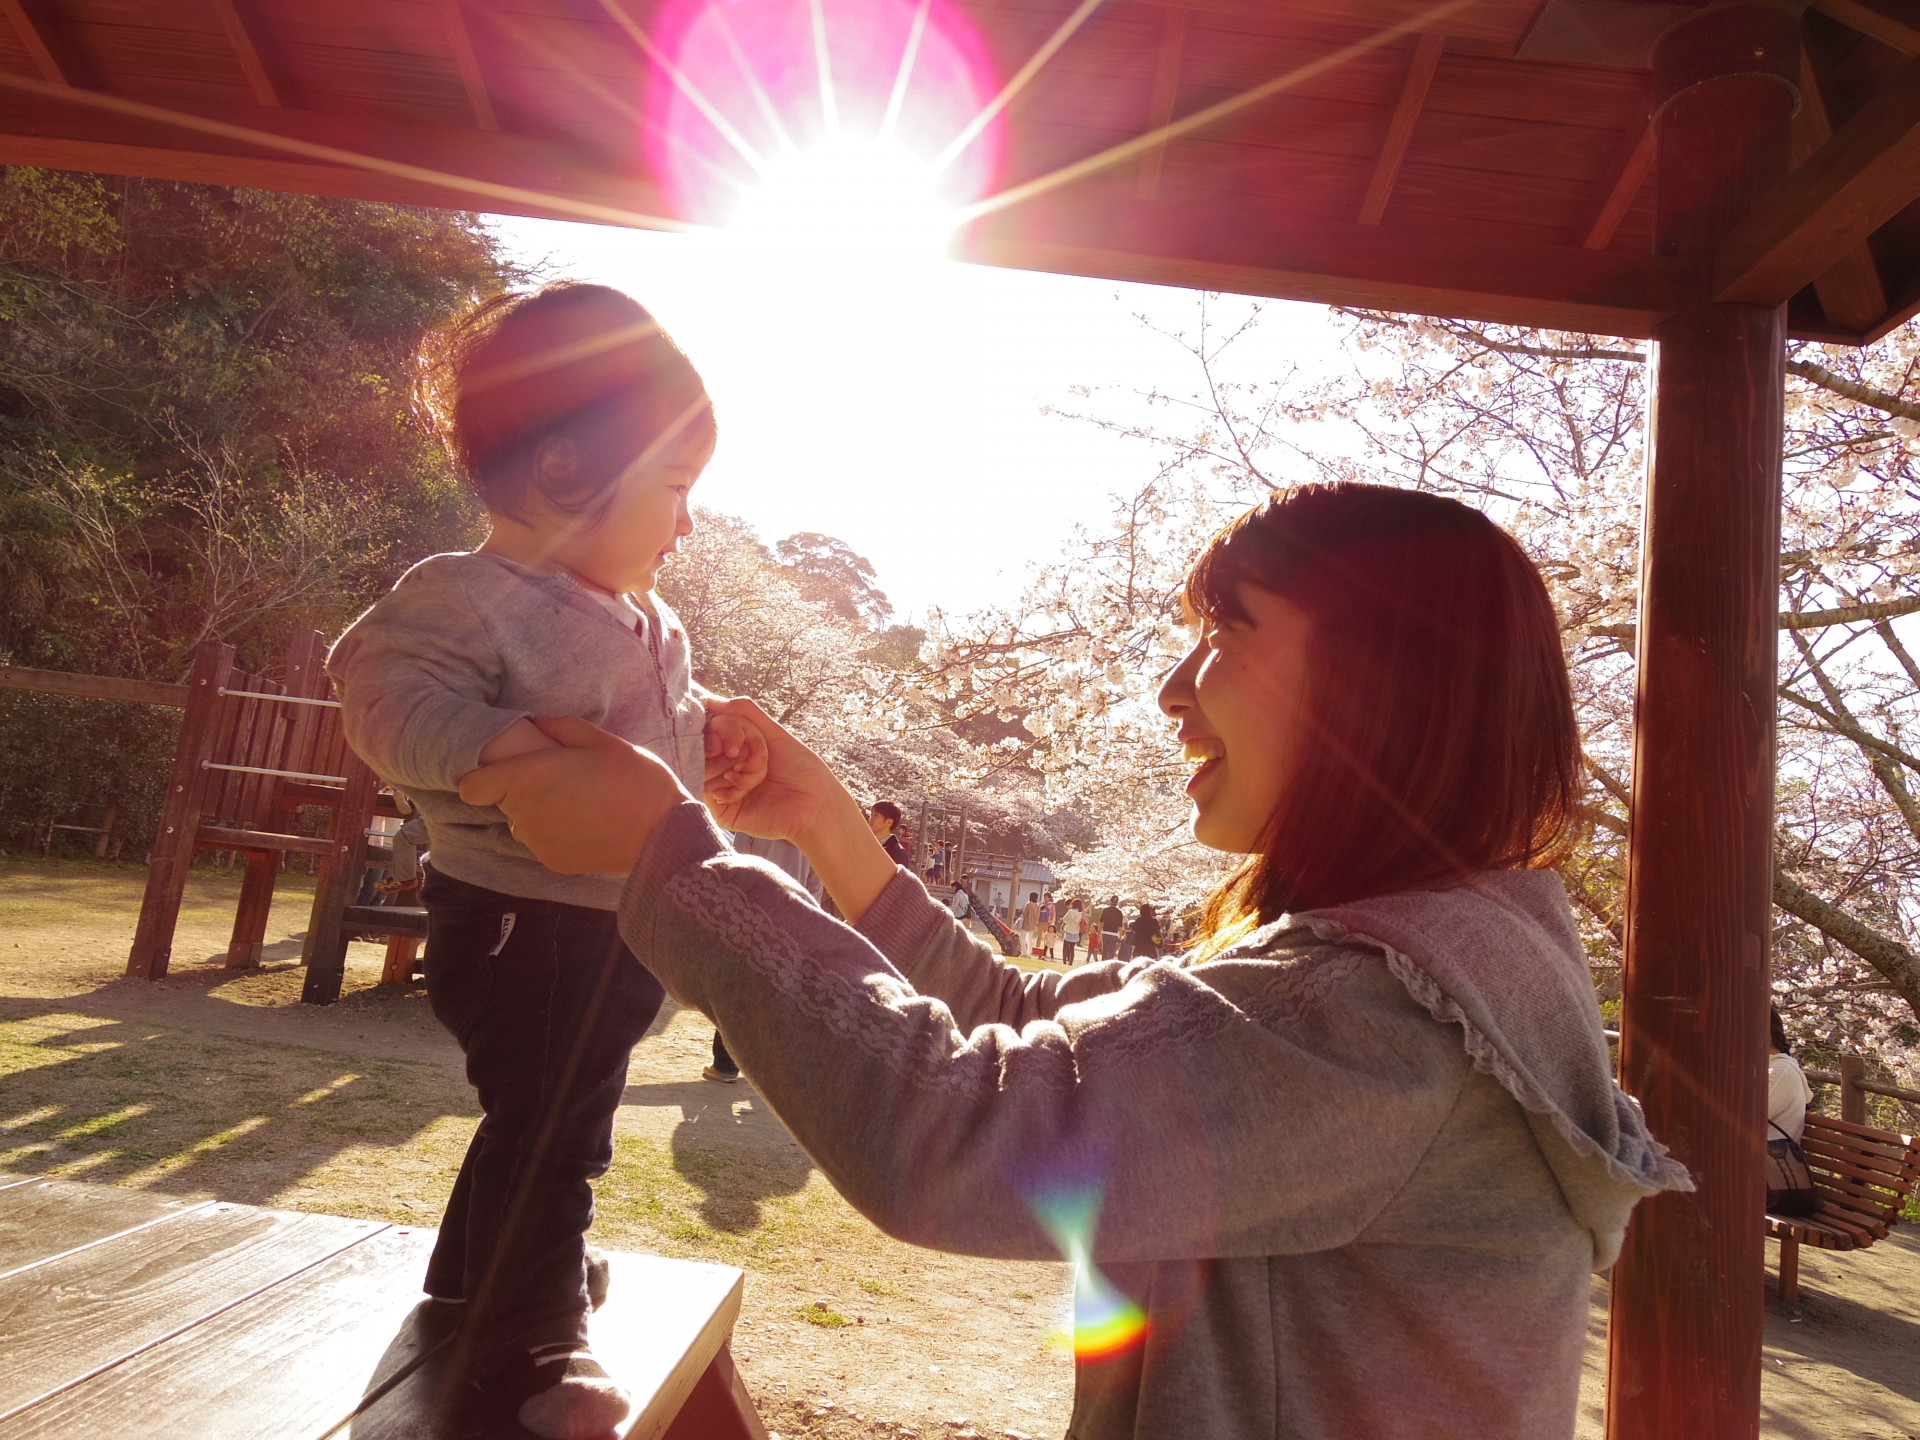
[1051, 928]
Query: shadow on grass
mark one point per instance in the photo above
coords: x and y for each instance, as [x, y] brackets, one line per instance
[734, 1162]
[126, 1100]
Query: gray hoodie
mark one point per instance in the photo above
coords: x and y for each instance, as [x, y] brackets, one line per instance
[1346, 1180]
[466, 644]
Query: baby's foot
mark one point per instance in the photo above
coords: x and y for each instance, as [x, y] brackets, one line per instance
[574, 1398]
[599, 1276]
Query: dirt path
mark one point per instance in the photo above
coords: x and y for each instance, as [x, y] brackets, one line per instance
[220, 1083]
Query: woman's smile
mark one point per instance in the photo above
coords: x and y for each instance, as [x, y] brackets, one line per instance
[1206, 755]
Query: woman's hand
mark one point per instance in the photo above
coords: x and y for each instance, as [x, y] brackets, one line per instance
[802, 801]
[585, 808]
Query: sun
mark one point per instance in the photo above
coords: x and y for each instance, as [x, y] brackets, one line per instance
[848, 200]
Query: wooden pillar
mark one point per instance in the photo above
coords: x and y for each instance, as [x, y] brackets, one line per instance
[1853, 1100]
[1687, 1294]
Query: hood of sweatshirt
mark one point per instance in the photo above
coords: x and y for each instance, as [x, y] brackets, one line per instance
[1500, 957]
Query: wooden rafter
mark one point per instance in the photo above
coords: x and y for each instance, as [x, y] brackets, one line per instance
[1626, 174]
[1406, 112]
[36, 34]
[251, 50]
[1894, 25]
[1851, 186]
[468, 63]
[1166, 92]
[1851, 293]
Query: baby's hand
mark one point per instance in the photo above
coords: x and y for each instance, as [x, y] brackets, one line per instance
[736, 761]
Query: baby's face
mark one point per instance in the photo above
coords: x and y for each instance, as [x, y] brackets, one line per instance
[648, 518]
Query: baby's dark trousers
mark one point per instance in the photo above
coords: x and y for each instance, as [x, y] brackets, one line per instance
[547, 1003]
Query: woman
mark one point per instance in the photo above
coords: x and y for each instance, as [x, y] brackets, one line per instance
[1788, 1093]
[1341, 1172]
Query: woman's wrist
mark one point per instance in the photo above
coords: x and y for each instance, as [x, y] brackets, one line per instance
[840, 846]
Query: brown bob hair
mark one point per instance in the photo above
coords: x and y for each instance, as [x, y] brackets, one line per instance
[1439, 737]
[578, 363]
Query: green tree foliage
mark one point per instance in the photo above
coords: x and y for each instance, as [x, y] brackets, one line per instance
[207, 430]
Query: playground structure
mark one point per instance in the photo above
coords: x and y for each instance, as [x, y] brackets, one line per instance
[253, 752]
[1714, 177]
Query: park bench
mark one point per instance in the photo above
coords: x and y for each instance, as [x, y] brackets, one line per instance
[1864, 1177]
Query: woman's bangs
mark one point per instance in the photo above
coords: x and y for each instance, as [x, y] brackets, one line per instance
[1212, 591]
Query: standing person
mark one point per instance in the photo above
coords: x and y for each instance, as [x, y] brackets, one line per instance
[884, 820]
[1030, 925]
[1146, 934]
[1049, 936]
[582, 427]
[1356, 1154]
[1070, 927]
[1112, 922]
[782, 855]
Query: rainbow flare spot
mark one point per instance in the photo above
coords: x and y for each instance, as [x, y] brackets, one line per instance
[1106, 1321]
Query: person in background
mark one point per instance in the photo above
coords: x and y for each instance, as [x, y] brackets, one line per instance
[1030, 924]
[1146, 934]
[884, 820]
[1070, 926]
[782, 855]
[1112, 922]
[1788, 1093]
[962, 903]
[1049, 935]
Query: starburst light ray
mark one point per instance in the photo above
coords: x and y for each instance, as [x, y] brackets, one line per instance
[991, 110]
[653, 52]
[823, 61]
[904, 74]
[1186, 125]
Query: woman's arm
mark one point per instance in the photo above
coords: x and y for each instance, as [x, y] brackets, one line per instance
[1242, 1108]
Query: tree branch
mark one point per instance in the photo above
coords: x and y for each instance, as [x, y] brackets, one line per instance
[1885, 954]
[1853, 389]
[1804, 619]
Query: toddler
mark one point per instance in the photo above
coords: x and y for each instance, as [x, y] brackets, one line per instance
[582, 426]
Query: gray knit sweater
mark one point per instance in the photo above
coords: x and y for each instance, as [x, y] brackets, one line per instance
[1353, 1174]
[463, 646]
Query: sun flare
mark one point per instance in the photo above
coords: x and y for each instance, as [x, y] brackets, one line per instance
[849, 198]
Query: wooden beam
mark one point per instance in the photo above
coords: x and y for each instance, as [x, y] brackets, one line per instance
[42, 43]
[1406, 112]
[92, 687]
[362, 157]
[1851, 186]
[1851, 293]
[250, 49]
[468, 63]
[1893, 23]
[1625, 176]
[1166, 92]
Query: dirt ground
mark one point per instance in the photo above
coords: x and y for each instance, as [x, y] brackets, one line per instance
[220, 1083]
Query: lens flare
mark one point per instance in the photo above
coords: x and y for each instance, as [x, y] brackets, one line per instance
[1106, 1321]
[798, 118]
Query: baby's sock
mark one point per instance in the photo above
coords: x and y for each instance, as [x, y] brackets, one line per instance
[573, 1397]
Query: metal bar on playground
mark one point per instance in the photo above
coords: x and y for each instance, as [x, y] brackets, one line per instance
[283, 774]
[283, 699]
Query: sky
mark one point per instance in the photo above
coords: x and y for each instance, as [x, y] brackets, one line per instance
[896, 402]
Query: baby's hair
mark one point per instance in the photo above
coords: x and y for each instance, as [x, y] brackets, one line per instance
[573, 363]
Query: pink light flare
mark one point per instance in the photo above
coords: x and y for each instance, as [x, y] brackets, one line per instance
[739, 88]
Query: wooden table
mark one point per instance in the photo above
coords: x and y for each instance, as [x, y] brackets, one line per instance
[132, 1314]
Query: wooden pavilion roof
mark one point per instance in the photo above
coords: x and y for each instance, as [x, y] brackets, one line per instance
[1481, 158]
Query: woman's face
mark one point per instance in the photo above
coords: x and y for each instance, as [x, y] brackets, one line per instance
[1238, 699]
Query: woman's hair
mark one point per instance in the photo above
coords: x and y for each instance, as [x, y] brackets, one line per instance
[1438, 733]
[583, 364]
[1778, 1029]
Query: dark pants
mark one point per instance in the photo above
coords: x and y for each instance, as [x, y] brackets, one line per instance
[1066, 950]
[547, 1003]
[722, 1061]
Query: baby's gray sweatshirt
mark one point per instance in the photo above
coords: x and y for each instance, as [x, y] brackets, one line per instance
[466, 644]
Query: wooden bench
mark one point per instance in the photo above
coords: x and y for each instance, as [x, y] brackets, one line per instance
[135, 1314]
[1864, 1177]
